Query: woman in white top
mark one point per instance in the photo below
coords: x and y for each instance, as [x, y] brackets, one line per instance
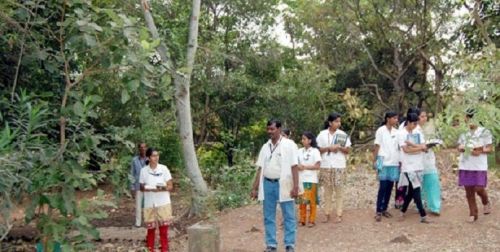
[334, 145]
[309, 160]
[431, 187]
[386, 161]
[411, 143]
[156, 183]
[473, 167]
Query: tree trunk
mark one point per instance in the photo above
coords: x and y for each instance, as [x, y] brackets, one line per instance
[182, 82]
[185, 129]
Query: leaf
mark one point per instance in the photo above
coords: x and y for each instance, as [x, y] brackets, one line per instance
[78, 109]
[145, 44]
[125, 96]
[95, 26]
[133, 85]
[90, 40]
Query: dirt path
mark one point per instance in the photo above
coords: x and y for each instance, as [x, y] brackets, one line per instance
[242, 229]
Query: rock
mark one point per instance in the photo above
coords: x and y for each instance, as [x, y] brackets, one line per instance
[401, 239]
[203, 238]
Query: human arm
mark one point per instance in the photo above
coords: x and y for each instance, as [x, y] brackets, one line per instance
[255, 186]
[295, 176]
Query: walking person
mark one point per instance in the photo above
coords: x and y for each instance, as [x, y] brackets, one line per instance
[309, 162]
[277, 181]
[334, 145]
[431, 187]
[156, 183]
[412, 148]
[473, 166]
[386, 161]
[138, 162]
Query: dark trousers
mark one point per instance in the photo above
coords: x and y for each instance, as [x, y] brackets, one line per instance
[384, 195]
[413, 193]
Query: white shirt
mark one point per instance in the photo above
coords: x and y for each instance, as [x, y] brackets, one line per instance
[388, 143]
[410, 161]
[479, 138]
[331, 160]
[286, 154]
[309, 157]
[152, 178]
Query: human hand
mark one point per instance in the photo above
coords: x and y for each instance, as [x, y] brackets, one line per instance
[294, 193]
[461, 148]
[254, 194]
[476, 151]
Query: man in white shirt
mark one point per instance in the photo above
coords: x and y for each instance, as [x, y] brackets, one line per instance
[277, 181]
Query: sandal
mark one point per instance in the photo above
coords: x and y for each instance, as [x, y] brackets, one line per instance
[339, 219]
[311, 224]
[472, 219]
[327, 219]
[487, 208]
[378, 217]
[386, 214]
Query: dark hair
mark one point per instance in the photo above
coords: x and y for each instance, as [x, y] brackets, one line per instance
[412, 117]
[331, 117]
[414, 110]
[276, 122]
[139, 144]
[286, 131]
[149, 152]
[389, 114]
[311, 137]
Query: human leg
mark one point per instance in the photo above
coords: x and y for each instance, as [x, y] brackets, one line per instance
[431, 192]
[312, 204]
[271, 197]
[290, 224]
[138, 207]
[481, 191]
[164, 238]
[471, 201]
[150, 239]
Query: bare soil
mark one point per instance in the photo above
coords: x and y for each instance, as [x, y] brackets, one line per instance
[242, 229]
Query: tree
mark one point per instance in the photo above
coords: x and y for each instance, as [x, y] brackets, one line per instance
[182, 78]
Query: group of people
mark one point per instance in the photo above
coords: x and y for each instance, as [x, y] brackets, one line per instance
[403, 159]
[287, 174]
[151, 187]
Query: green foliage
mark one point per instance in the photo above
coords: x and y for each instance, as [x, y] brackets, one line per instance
[230, 183]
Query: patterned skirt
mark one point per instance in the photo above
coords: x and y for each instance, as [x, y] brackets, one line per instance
[332, 177]
[157, 216]
[472, 178]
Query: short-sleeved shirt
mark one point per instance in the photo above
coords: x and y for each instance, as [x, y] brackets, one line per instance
[478, 138]
[151, 178]
[388, 142]
[329, 159]
[411, 161]
[309, 156]
[286, 155]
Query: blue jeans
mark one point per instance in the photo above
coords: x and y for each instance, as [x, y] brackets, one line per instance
[271, 198]
[384, 195]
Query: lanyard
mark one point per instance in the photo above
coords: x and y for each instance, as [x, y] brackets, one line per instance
[273, 149]
[333, 137]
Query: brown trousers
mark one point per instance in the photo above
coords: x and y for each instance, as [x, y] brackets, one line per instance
[470, 193]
